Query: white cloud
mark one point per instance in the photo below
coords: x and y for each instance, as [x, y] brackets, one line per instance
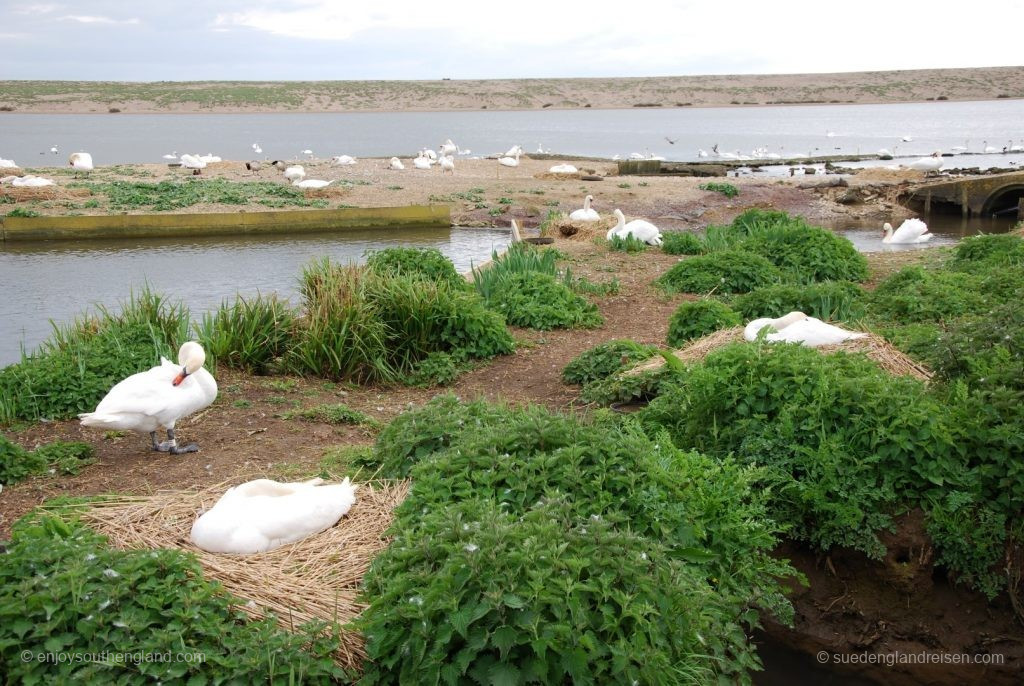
[91, 19]
[36, 9]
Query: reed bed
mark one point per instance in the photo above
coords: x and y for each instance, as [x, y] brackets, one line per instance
[876, 348]
[318, 577]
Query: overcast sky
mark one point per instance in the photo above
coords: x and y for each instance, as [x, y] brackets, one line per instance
[180, 40]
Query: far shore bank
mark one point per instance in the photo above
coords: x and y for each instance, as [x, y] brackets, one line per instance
[444, 95]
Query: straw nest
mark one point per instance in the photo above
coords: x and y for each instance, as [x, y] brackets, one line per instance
[583, 231]
[28, 193]
[552, 176]
[880, 351]
[318, 577]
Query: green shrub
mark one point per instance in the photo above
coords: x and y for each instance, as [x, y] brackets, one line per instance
[603, 360]
[804, 253]
[624, 388]
[247, 334]
[16, 463]
[914, 295]
[539, 301]
[985, 350]
[628, 243]
[67, 457]
[62, 589]
[698, 318]
[76, 367]
[681, 243]
[727, 271]
[338, 413]
[842, 440]
[436, 369]
[429, 263]
[499, 491]
[970, 540]
[1004, 249]
[829, 300]
[726, 189]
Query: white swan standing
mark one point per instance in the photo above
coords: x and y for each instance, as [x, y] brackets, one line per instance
[81, 161]
[447, 164]
[192, 161]
[586, 214]
[910, 231]
[797, 327]
[158, 398]
[639, 229]
[931, 163]
[295, 173]
[448, 148]
[262, 515]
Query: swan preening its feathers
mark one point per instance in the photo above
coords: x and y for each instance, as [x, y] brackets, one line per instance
[638, 228]
[262, 515]
[81, 161]
[797, 327]
[157, 398]
[910, 231]
[586, 214]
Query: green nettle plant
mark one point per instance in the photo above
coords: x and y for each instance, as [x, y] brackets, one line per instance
[725, 271]
[429, 263]
[605, 359]
[564, 550]
[63, 590]
[828, 300]
[681, 243]
[698, 318]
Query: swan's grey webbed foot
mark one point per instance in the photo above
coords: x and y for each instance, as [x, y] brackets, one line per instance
[173, 445]
[163, 447]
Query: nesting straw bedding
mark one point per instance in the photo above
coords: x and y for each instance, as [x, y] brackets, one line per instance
[318, 577]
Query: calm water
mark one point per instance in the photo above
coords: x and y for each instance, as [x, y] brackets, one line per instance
[59, 280]
[790, 130]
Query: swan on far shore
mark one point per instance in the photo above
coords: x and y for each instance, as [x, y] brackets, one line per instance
[343, 160]
[396, 164]
[510, 161]
[910, 231]
[586, 214]
[157, 398]
[931, 163]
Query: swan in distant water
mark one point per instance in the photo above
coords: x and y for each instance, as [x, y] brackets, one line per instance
[257, 149]
[158, 398]
[262, 515]
[171, 156]
[639, 229]
[910, 231]
[587, 214]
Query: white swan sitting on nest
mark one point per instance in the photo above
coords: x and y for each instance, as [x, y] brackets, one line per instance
[421, 161]
[639, 229]
[910, 231]
[311, 184]
[797, 327]
[295, 173]
[158, 398]
[261, 515]
[564, 169]
[343, 160]
[396, 164]
[30, 181]
[509, 160]
[586, 214]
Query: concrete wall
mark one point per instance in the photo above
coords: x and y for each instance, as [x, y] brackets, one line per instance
[223, 223]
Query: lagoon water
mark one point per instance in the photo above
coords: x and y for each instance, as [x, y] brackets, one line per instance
[784, 130]
[60, 280]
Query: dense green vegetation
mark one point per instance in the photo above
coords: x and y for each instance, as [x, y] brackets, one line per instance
[562, 549]
[63, 590]
[177, 194]
[698, 318]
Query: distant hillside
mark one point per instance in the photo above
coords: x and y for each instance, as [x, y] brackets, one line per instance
[512, 94]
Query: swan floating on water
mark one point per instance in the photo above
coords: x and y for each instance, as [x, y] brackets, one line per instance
[797, 327]
[158, 398]
[639, 229]
[910, 231]
[586, 214]
[262, 515]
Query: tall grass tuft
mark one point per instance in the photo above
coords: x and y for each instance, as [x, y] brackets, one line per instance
[248, 333]
[341, 336]
[74, 368]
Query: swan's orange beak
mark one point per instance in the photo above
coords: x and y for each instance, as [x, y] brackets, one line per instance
[180, 377]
